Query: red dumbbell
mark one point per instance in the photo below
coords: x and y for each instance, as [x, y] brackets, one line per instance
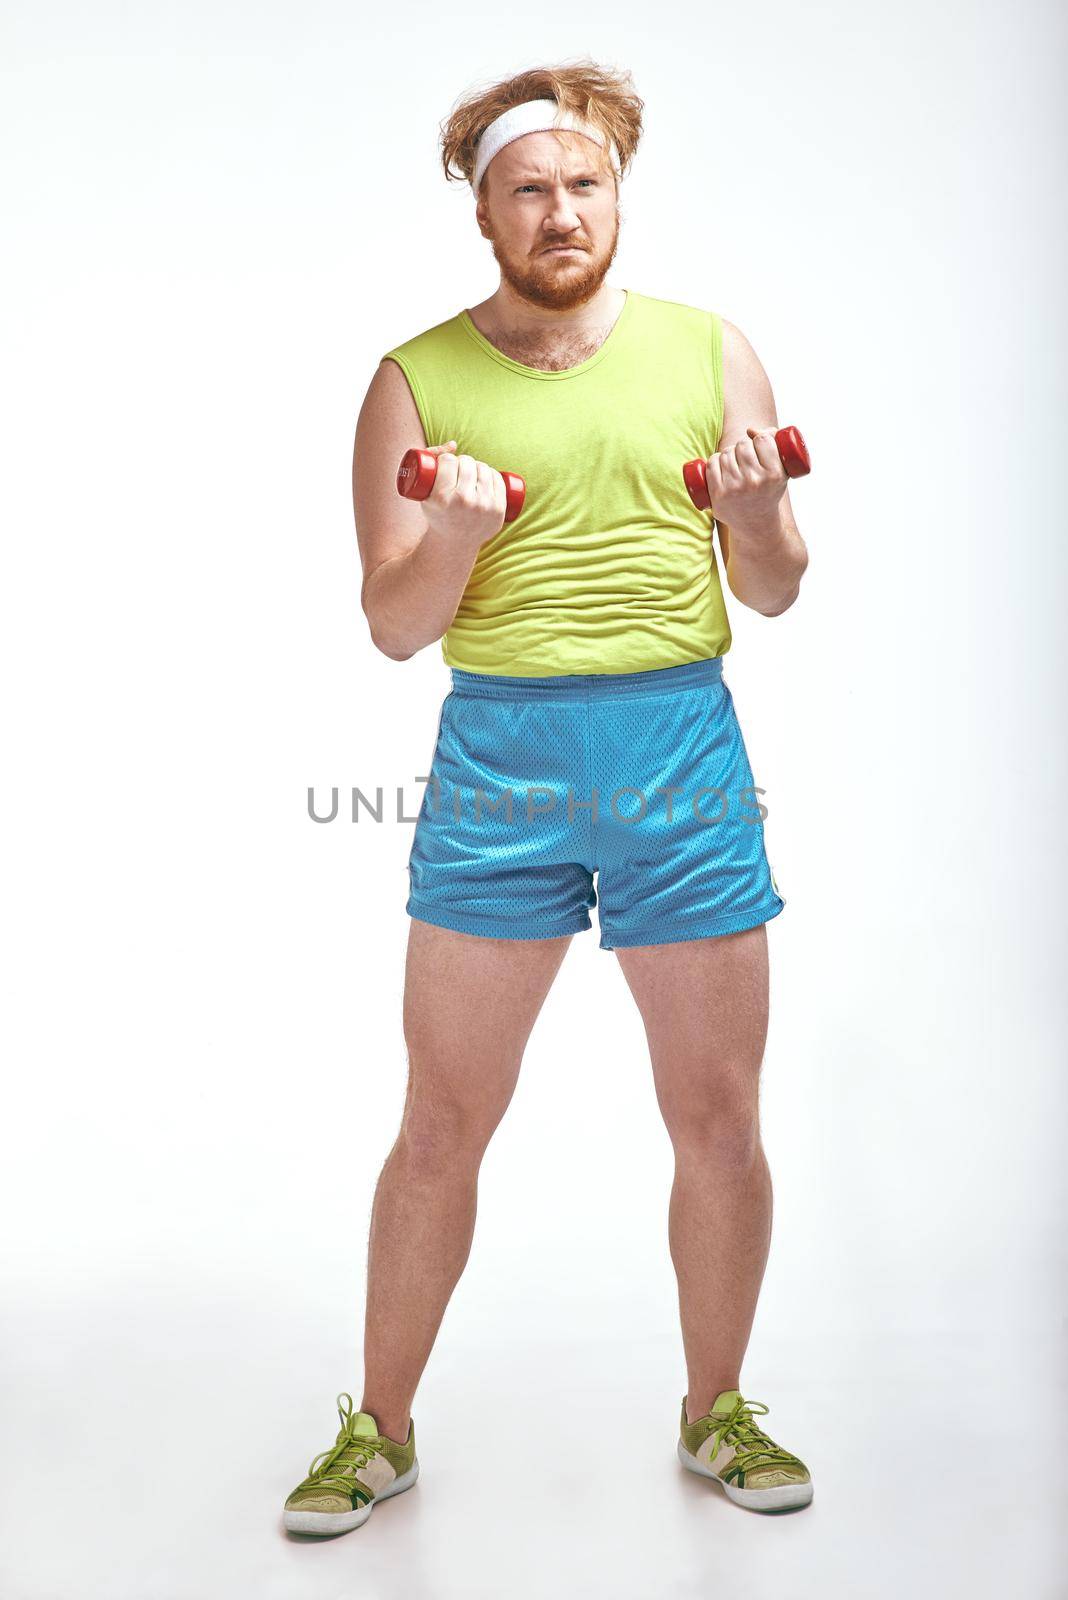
[793, 453]
[416, 474]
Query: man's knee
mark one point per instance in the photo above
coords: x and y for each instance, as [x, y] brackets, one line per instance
[718, 1122]
[440, 1133]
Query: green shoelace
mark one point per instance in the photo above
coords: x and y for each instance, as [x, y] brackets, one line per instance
[752, 1446]
[336, 1468]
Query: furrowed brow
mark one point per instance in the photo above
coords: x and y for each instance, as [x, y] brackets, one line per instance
[537, 177]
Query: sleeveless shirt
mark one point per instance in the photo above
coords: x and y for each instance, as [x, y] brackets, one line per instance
[609, 567]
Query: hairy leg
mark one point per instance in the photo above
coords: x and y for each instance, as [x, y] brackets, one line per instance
[704, 1003]
[469, 1006]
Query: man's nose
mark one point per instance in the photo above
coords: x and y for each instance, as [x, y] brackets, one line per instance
[562, 216]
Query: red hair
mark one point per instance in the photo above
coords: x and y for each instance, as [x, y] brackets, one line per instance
[600, 96]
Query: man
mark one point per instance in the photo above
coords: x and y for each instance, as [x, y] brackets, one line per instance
[589, 729]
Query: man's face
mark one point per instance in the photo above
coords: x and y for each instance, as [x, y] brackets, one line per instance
[543, 191]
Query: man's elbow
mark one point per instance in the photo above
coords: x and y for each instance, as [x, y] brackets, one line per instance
[393, 648]
[777, 607]
[382, 636]
[392, 651]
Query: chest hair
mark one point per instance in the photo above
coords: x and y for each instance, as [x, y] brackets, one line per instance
[551, 355]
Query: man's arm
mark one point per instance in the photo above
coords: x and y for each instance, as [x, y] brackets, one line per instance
[763, 552]
[413, 575]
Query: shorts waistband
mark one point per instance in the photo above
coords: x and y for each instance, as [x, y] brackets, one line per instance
[589, 685]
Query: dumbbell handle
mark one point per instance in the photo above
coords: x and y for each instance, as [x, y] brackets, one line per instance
[417, 471]
[793, 453]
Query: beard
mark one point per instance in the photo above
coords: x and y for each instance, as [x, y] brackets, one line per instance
[557, 282]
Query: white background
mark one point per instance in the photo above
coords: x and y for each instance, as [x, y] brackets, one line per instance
[215, 220]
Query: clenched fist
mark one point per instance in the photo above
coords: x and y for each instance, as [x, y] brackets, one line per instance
[468, 498]
[746, 482]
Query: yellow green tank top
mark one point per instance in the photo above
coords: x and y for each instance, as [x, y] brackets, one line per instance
[609, 567]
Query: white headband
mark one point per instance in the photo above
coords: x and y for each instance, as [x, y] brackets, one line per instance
[532, 116]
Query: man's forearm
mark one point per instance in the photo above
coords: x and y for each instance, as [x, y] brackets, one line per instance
[765, 565]
[410, 601]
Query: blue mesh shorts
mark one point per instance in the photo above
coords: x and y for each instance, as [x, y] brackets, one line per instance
[536, 784]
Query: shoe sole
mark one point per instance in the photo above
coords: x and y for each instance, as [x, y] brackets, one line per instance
[324, 1522]
[779, 1497]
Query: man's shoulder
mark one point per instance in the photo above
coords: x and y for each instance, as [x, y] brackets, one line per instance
[731, 333]
[738, 353]
[432, 338]
[657, 305]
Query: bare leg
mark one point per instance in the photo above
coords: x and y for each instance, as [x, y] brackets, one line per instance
[704, 1003]
[469, 1006]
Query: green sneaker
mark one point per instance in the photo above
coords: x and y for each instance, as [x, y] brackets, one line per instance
[345, 1483]
[727, 1445]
